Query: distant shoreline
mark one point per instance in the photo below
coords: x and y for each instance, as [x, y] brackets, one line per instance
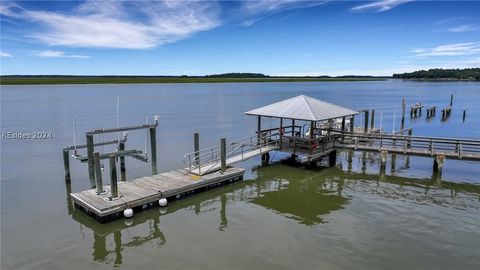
[39, 80]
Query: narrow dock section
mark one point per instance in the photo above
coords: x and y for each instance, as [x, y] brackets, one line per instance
[144, 193]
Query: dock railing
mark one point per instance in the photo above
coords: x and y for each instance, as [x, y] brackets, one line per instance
[418, 145]
[208, 159]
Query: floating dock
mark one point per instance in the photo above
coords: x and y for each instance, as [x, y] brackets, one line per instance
[144, 193]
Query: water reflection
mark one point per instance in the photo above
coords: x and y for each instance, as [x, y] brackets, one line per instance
[307, 197]
[304, 199]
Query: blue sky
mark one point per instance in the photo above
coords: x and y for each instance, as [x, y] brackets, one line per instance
[287, 37]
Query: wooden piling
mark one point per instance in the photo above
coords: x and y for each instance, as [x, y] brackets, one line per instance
[464, 115]
[438, 162]
[223, 154]
[91, 168]
[113, 177]
[383, 159]
[98, 173]
[451, 100]
[332, 158]
[365, 130]
[123, 173]
[372, 123]
[352, 124]
[153, 149]
[196, 147]
[66, 163]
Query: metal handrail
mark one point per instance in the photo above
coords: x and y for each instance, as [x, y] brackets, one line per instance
[211, 156]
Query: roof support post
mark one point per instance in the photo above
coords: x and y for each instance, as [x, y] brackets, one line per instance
[281, 131]
[293, 127]
[312, 126]
[259, 129]
[352, 124]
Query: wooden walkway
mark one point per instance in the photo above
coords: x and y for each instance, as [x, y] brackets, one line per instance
[450, 148]
[241, 156]
[143, 193]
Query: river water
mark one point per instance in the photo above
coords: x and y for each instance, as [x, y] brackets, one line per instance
[279, 217]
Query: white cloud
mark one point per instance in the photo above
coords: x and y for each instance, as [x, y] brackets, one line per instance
[462, 28]
[58, 54]
[263, 6]
[4, 54]
[253, 9]
[116, 24]
[451, 20]
[380, 6]
[10, 9]
[448, 50]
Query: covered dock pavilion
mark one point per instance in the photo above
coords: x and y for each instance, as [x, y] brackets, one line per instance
[312, 126]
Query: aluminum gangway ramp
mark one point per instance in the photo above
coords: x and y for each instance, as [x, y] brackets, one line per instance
[209, 160]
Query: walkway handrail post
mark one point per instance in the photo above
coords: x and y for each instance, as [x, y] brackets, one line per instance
[223, 154]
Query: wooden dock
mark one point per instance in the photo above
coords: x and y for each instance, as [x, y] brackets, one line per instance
[144, 193]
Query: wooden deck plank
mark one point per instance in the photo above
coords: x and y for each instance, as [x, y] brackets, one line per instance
[148, 189]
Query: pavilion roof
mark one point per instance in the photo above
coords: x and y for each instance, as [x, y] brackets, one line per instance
[303, 108]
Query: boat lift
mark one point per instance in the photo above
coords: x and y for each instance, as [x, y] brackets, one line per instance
[93, 158]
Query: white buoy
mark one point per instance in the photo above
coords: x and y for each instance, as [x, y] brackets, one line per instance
[163, 202]
[128, 213]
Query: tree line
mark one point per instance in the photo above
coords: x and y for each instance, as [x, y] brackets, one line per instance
[439, 73]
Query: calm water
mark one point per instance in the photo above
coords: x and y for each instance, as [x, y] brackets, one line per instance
[278, 217]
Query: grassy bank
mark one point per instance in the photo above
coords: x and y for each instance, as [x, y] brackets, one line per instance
[23, 80]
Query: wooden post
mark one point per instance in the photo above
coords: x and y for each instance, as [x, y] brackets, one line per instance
[365, 130]
[332, 158]
[404, 107]
[293, 127]
[438, 162]
[451, 100]
[98, 172]
[464, 115]
[352, 124]
[223, 154]
[394, 158]
[280, 132]
[113, 177]
[196, 147]
[153, 149]
[312, 127]
[409, 143]
[372, 124]
[91, 169]
[66, 164]
[383, 159]
[123, 175]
